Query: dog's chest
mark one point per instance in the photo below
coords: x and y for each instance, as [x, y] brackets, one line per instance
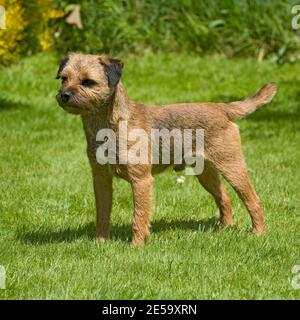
[97, 150]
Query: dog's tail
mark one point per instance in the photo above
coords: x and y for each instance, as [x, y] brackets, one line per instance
[240, 109]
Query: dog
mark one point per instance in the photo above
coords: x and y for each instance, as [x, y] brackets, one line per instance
[91, 88]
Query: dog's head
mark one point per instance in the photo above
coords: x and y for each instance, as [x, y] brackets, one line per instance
[88, 81]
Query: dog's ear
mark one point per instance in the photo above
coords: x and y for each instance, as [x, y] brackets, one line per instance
[113, 69]
[62, 64]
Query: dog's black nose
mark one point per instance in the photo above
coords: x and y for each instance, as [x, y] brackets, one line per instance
[65, 96]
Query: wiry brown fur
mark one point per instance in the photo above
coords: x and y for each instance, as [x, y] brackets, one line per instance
[105, 104]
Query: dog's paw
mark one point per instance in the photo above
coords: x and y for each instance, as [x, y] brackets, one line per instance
[101, 239]
[137, 242]
[225, 223]
[259, 231]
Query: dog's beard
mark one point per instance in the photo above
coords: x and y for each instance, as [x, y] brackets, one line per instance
[76, 104]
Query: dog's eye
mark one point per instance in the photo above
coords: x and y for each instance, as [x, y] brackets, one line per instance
[88, 82]
[63, 79]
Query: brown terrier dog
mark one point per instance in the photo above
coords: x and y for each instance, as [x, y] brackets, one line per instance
[91, 88]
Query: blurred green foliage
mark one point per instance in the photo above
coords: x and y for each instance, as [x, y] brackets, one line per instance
[252, 28]
[227, 27]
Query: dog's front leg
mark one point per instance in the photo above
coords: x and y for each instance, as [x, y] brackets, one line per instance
[142, 197]
[102, 181]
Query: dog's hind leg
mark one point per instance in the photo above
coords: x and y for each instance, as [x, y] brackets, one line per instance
[235, 172]
[210, 180]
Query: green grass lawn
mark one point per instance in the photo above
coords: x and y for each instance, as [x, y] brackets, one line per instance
[47, 215]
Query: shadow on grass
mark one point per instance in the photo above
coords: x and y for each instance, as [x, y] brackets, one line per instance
[6, 104]
[118, 232]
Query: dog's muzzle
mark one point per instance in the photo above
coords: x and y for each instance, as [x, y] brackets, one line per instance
[65, 96]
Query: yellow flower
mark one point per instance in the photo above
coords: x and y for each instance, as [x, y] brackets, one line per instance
[56, 14]
[27, 27]
[11, 37]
